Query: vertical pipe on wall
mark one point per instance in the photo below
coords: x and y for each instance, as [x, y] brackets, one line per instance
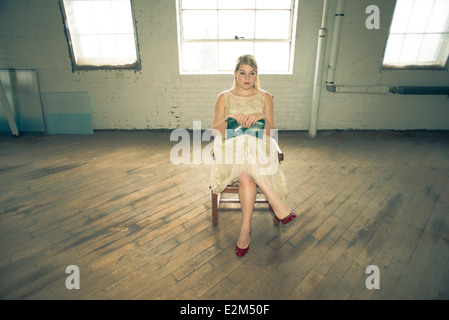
[319, 67]
[339, 15]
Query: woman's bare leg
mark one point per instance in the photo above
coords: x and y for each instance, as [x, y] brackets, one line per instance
[247, 195]
[280, 209]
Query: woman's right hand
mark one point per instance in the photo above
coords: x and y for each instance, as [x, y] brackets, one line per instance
[240, 117]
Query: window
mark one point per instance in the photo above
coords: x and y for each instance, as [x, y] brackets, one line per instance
[419, 34]
[101, 34]
[214, 33]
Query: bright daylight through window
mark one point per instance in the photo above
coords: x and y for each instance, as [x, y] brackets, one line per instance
[101, 34]
[213, 33]
[419, 34]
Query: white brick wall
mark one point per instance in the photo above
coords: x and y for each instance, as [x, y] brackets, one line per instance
[157, 97]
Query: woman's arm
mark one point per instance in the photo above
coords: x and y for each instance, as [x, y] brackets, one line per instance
[219, 114]
[269, 114]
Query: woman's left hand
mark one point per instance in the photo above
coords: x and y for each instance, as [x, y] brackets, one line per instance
[252, 118]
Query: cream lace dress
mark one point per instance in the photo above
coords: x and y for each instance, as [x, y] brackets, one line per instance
[255, 156]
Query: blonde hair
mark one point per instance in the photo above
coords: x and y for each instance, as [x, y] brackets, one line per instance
[251, 61]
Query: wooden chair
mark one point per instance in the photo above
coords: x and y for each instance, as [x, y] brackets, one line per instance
[234, 189]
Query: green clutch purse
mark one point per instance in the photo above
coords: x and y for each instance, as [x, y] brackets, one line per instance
[234, 129]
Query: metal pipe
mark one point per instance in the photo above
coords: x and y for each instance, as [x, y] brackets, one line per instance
[417, 90]
[361, 89]
[319, 66]
[338, 22]
[421, 90]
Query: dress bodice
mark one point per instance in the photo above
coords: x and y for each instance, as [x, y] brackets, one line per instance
[245, 105]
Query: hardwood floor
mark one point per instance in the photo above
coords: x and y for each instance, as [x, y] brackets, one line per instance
[139, 227]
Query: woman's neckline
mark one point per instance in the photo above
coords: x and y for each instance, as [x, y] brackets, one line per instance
[249, 96]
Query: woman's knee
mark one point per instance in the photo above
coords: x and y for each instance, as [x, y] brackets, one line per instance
[245, 179]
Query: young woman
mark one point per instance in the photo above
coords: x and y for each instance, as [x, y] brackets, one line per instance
[247, 103]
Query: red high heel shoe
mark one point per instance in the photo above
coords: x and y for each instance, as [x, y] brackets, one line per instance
[241, 252]
[288, 218]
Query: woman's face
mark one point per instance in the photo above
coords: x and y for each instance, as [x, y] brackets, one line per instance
[246, 76]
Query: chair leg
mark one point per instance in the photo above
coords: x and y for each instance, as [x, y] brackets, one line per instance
[214, 209]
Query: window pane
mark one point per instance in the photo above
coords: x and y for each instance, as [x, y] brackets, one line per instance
[122, 17]
[89, 46]
[125, 48]
[236, 23]
[394, 47]
[439, 21]
[199, 4]
[272, 56]
[108, 46]
[199, 56]
[401, 16]
[273, 24]
[410, 48]
[431, 45]
[444, 52]
[230, 51]
[199, 24]
[104, 19]
[236, 4]
[83, 18]
[270, 4]
[420, 16]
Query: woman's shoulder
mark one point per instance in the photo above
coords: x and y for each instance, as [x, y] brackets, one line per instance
[221, 97]
[224, 93]
[266, 93]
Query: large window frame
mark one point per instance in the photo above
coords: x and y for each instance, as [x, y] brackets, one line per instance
[220, 38]
[419, 35]
[103, 39]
